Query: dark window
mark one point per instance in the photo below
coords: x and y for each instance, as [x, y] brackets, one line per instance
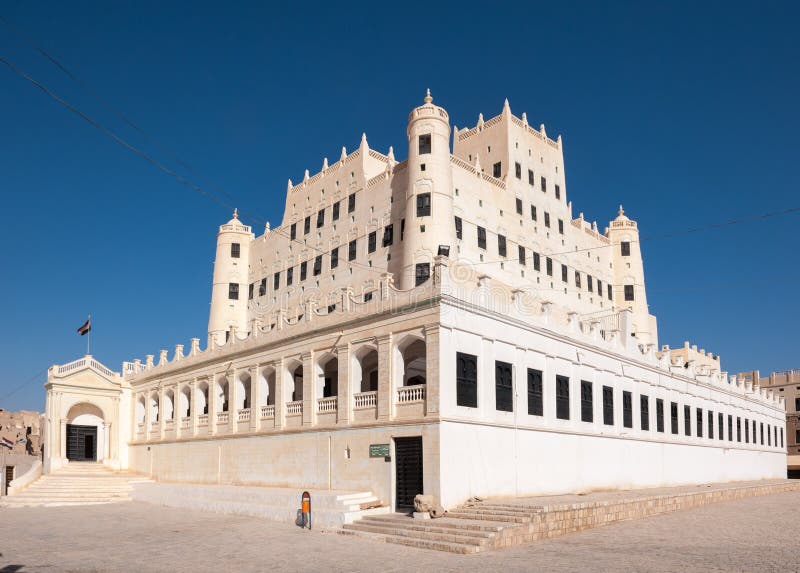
[797, 403]
[459, 228]
[746, 431]
[564, 273]
[673, 414]
[519, 206]
[530, 177]
[769, 435]
[367, 296]
[608, 405]
[501, 245]
[609, 292]
[351, 202]
[317, 265]
[589, 283]
[561, 227]
[710, 425]
[535, 401]
[303, 270]
[738, 429]
[481, 238]
[335, 211]
[423, 204]
[659, 415]
[699, 414]
[276, 281]
[628, 292]
[250, 291]
[518, 170]
[331, 308]
[466, 380]
[293, 231]
[687, 421]
[521, 253]
[781, 437]
[423, 273]
[730, 428]
[289, 276]
[402, 228]
[626, 248]
[587, 406]
[503, 387]
[577, 279]
[425, 144]
[644, 407]
[536, 262]
[549, 266]
[721, 426]
[544, 185]
[496, 168]
[533, 212]
[335, 258]
[235, 250]
[320, 218]
[547, 219]
[262, 288]
[307, 225]
[372, 241]
[388, 235]
[351, 250]
[600, 287]
[558, 192]
[762, 433]
[562, 397]
[627, 409]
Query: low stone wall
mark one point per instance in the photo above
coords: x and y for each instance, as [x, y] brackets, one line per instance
[553, 520]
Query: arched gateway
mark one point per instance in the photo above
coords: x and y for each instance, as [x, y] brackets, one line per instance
[83, 416]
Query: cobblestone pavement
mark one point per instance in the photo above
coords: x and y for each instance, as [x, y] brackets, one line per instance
[755, 534]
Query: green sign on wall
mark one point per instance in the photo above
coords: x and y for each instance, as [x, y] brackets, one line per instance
[379, 451]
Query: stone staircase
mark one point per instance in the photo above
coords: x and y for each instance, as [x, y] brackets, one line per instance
[78, 483]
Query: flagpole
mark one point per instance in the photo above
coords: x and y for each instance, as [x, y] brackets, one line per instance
[89, 339]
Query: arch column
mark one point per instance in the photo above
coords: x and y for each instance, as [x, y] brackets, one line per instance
[212, 404]
[280, 395]
[385, 398]
[62, 446]
[431, 332]
[162, 419]
[309, 390]
[147, 414]
[344, 405]
[233, 405]
[193, 406]
[255, 399]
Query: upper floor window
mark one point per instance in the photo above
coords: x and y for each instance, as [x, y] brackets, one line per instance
[481, 238]
[536, 261]
[250, 291]
[351, 250]
[235, 250]
[587, 402]
[673, 414]
[303, 270]
[659, 415]
[589, 284]
[644, 409]
[422, 273]
[626, 248]
[531, 178]
[501, 245]
[351, 202]
[549, 267]
[535, 402]
[262, 288]
[276, 281]
[459, 228]
[610, 292]
[577, 279]
[560, 227]
[521, 252]
[233, 291]
[687, 421]
[544, 185]
[335, 211]
[466, 380]
[307, 225]
[562, 397]
[608, 405]
[558, 192]
[496, 169]
[320, 218]
[519, 206]
[293, 231]
[317, 265]
[518, 170]
[547, 219]
[424, 144]
[388, 235]
[533, 212]
[627, 409]
[372, 240]
[423, 204]
[628, 292]
[564, 273]
[503, 387]
[289, 276]
[335, 258]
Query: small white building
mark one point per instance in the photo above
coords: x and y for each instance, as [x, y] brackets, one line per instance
[441, 325]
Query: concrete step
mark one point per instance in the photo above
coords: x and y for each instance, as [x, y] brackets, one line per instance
[451, 547]
[436, 534]
[488, 516]
[442, 523]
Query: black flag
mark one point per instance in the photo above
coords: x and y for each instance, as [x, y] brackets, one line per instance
[87, 326]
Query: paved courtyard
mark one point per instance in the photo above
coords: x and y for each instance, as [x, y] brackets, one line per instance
[755, 534]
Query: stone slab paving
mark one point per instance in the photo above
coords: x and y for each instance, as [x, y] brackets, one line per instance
[754, 534]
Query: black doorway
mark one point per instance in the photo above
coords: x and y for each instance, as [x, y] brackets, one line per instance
[81, 443]
[408, 465]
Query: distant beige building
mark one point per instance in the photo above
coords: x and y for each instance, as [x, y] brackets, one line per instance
[786, 383]
[22, 429]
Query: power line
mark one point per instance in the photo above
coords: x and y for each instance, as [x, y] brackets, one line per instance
[21, 386]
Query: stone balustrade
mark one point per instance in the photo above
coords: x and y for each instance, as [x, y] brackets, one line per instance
[222, 417]
[327, 404]
[243, 415]
[186, 423]
[294, 408]
[406, 394]
[267, 412]
[365, 400]
[202, 420]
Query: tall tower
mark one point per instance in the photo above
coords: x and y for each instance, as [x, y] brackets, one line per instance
[429, 195]
[629, 291]
[229, 290]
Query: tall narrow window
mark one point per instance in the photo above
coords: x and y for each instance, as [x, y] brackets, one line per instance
[564, 273]
[710, 416]
[608, 405]
[673, 414]
[481, 238]
[627, 409]
[388, 235]
[521, 253]
[536, 262]
[250, 291]
[560, 227]
[730, 428]
[547, 219]
[320, 218]
[626, 248]
[496, 169]
[558, 192]
[562, 397]
[738, 429]
[577, 279]
[600, 287]
[235, 250]
[503, 387]
[425, 144]
[289, 276]
[533, 212]
[459, 228]
[549, 266]
[402, 228]
[351, 202]
[610, 294]
[687, 421]
[317, 265]
[423, 273]
[544, 185]
[307, 225]
[699, 414]
[335, 258]
[587, 399]
[746, 431]
[303, 270]
[628, 292]
[372, 241]
[276, 281]
[720, 426]
[519, 206]
[335, 211]
[233, 291]
[518, 170]
[531, 178]
[644, 409]
[762, 433]
[589, 283]
[535, 401]
[423, 204]
[293, 231]
[501, 245]
[351, 250]
[466, 380]
[262, 288]
[659, 415]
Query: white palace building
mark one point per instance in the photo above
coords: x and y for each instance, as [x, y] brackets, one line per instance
[442, 325]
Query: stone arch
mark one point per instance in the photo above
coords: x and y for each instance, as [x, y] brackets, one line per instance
[410, 361]
[266, 386]
[327, 379]
[168, 408]
[89, 414]
[243, 396]
[154, 407]
[221, 393]
[293, 380]
[201, 397]
[140, 409]
[365, 369]
[185, 402]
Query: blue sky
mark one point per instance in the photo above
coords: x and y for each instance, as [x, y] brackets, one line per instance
[685, 112]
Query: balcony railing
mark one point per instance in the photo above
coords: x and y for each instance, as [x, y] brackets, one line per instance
[222, 417]
[244, 415]
[366, 399]
[408, 394]
[169, 423]
[268, 411]
[326, 405]
[294, 408]
[202, 420]
[186, 423]
[154, 425]
[140, 427]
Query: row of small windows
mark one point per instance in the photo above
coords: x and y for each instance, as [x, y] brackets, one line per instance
[351, 206]
[497, 173]
[467, 395]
